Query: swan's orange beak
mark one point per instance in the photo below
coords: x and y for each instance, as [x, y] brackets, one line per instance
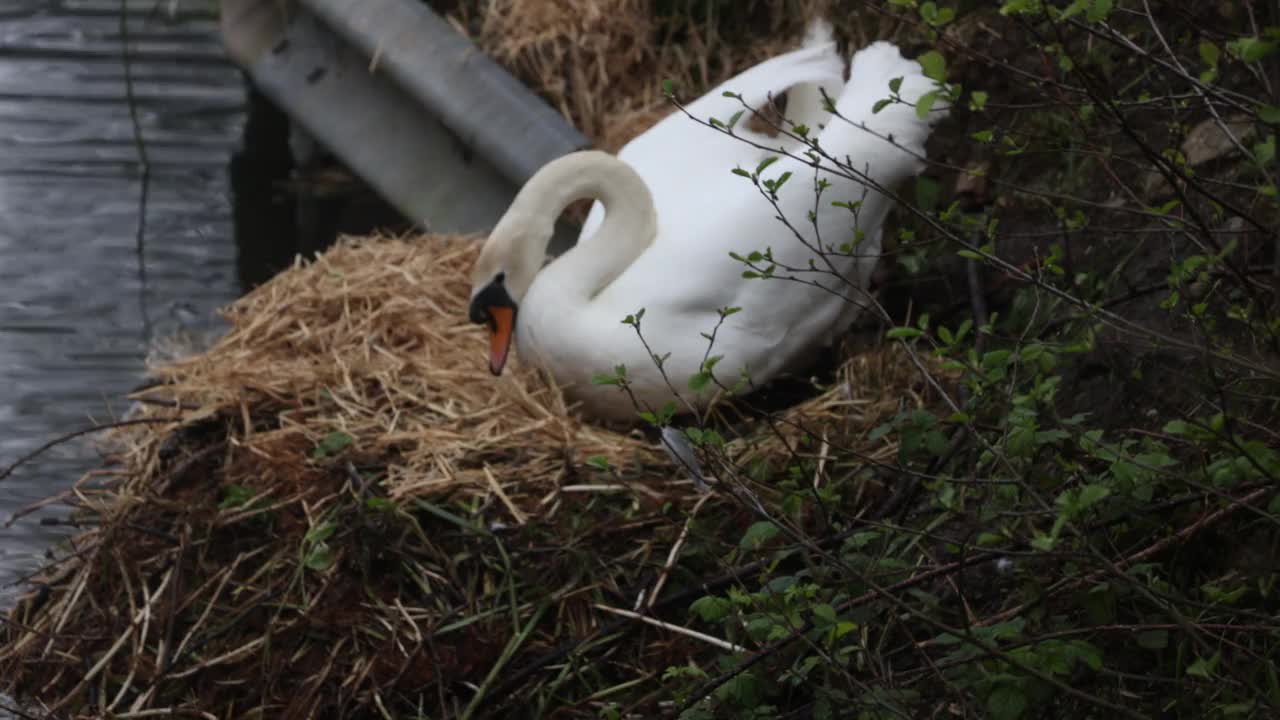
[492, 305]
[502, 328]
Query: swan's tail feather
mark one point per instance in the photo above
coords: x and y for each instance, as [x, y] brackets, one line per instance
[870, 74]
[804, 100]
[797, 74]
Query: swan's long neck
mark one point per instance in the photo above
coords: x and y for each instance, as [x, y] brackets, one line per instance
[629, 227]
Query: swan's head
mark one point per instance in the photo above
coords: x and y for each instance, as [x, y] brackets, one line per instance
[499, 280]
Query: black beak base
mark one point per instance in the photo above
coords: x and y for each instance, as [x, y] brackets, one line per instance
[492, 295]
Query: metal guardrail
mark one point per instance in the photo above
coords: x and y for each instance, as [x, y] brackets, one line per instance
[443, 132]
[497, 116]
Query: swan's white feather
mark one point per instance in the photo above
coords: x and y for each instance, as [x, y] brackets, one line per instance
[705, 212]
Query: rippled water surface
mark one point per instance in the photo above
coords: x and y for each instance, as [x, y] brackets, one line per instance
[81, 301]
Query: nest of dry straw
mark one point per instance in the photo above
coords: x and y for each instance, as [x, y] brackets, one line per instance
[335, 511]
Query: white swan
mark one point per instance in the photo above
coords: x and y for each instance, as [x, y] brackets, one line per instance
[669, 212]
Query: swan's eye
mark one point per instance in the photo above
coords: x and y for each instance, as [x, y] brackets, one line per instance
[494, 295]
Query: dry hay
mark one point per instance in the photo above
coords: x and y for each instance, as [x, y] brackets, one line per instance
[338, 512]
[601, 63]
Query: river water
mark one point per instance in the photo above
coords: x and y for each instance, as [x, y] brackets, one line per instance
[82, 299]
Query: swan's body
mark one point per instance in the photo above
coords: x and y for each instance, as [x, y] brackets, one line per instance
[669, 212]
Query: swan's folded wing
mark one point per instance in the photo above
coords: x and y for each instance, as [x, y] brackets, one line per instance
[685, 162]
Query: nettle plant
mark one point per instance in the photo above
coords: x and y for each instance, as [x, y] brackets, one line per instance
[1088, 522]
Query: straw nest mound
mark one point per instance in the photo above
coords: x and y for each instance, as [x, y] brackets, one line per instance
[337, 512]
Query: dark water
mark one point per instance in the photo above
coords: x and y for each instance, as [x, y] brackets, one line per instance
[82, 302]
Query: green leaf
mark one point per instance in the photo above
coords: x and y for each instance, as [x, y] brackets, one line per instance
[925, 103]
[745, 690]
[1265, 152]
[903, 333]
[758, 534]
[1006, 702]
[332, 443]
[935, 16]
[667, 86]
[380, 504]
[895, 85]
[236, 496]
[989, 539]
[1209, 53]
[699, 381]
[1083, 652]
[978, 101]
[927, 191]
[880, 105]
[1153, 639]
[667, 412]
[1203, 668]
[1099, 10]
[599, 462]
[1020, 7]
[879, 432]
[1251, 50]
[825, 614]
[766, 163]
[319, 558]
[1074, 9]
[1269, 114]
[1091, 495]
[1044, 543]
[934, 65]
[711, 608]
[321, 532]
[1021, 442]
[617, 377]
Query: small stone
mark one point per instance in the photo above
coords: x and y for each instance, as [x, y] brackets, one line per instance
[1210, 141]
[1206, 142]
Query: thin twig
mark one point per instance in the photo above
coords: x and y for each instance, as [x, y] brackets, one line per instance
[717, 642]
[77, 433]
